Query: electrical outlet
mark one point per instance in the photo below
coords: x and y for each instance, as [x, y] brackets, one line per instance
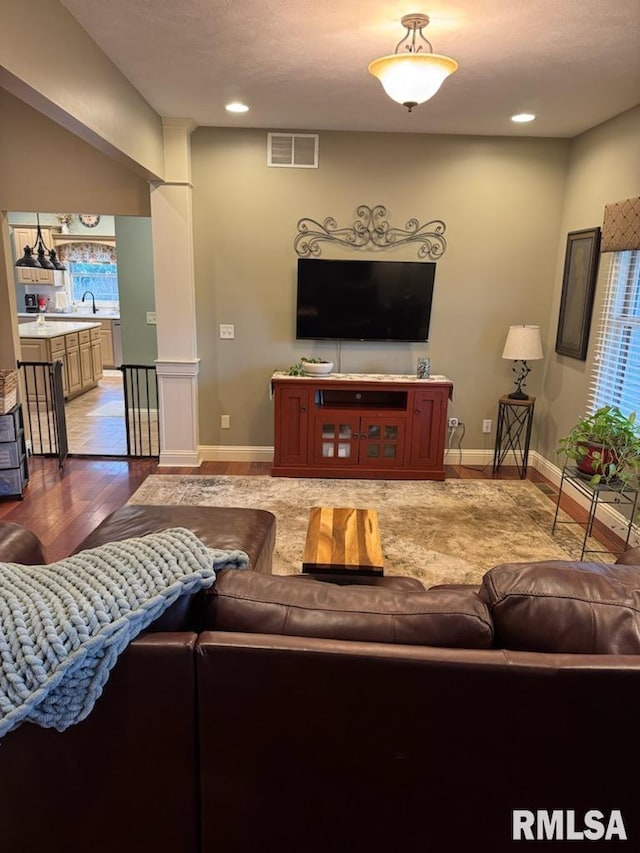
[225, 422]
[227, 331]
[453, 422]
[487, 425]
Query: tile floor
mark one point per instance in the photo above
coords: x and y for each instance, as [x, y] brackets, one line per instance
[95, 420]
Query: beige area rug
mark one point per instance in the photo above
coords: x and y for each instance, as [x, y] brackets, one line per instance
[447, 532]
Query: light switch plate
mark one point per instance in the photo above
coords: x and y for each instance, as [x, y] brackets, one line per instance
[227, 331]
[151, 318]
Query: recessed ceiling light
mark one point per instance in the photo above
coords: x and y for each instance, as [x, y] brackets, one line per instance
[522, 118]
[237, 107]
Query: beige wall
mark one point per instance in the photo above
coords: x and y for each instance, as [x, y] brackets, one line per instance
[46, 168]
[57, 68]
[604, 166]
[501, 200]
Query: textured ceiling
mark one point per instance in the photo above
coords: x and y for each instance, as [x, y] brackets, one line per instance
[302, 65]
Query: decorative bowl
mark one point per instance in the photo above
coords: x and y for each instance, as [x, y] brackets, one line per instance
[314, 368]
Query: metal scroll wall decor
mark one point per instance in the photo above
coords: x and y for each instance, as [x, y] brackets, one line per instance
[370, 230]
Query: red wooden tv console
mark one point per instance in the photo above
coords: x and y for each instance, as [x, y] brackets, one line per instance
[373, 426]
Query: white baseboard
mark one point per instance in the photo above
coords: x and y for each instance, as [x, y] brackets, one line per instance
[179, 459]
[231, 453]
[476, 458]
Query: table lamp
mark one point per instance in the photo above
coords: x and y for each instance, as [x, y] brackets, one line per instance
[523, 344]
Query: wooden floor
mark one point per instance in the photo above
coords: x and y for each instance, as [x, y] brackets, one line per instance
[63, 507]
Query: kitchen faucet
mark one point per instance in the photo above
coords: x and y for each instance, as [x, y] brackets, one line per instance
[93, 300]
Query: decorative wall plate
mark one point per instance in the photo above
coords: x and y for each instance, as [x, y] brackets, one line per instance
[89, 220]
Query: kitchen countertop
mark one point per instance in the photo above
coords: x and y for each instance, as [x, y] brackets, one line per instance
[74, 315]
[54, 330]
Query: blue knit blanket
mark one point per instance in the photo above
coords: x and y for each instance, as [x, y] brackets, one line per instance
[63, 626]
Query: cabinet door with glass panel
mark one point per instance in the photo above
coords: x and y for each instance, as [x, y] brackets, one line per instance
[347, 440]
[382, 441]
[335, 438]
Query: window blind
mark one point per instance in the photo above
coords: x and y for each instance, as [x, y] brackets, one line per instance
[616, 374]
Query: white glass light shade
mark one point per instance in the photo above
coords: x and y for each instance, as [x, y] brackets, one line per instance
[523, 344]
[412, 78]
[237, 107]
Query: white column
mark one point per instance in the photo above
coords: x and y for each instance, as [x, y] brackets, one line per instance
[177, 363]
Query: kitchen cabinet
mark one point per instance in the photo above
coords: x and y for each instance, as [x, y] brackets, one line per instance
[106, 339]
[58, 351]
[105, 331]
[24, 236]
[73, 365]
[366, 425]
[77, 345]
[96, 354]
[86, 360]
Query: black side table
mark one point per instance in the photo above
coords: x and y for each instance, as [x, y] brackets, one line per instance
[623, 498]
[514, 432]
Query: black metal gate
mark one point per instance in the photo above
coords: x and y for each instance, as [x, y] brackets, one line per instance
[46, 418]
[140, 384]
[44, 391]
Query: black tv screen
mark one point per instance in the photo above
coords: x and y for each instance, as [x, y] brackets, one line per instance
[364, 300]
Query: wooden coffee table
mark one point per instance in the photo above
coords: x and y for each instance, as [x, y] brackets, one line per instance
[342, 543]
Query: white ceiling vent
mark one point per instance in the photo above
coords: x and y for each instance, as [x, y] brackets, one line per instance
[293, 150]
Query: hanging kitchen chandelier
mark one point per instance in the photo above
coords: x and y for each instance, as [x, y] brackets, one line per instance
[413, 73]
[45, 259]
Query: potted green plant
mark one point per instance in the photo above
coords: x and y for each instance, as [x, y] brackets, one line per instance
[315, 366]
[605, 447]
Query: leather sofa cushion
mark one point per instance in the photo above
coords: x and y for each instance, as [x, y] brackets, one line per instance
[566, 607]
[228, 528]
[18, 544]
[254, 603]
[631, 557]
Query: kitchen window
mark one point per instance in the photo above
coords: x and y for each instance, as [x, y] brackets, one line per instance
[91, 266]
[100, 278]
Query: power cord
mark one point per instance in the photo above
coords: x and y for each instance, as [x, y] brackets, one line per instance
[452, 432]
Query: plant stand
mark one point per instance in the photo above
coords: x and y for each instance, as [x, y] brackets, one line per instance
[622, 497]
[513, 432]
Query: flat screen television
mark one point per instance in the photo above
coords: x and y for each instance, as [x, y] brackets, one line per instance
[364, 300]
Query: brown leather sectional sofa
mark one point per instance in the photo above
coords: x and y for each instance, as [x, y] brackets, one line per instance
[284, 713]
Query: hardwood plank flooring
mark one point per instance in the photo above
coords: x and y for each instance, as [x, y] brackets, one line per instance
[64, 507]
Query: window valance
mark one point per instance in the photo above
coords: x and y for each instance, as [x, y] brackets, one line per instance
[621, 226]
[87, 251]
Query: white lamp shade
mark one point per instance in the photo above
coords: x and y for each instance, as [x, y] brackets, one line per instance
[523, 344]
[412, 78]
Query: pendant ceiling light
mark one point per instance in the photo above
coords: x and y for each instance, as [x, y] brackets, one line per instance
[45, 259]
[410, 75]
